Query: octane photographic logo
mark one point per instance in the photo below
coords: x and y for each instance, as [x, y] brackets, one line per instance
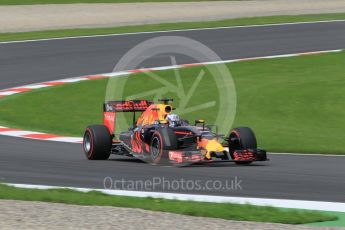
[199, 92]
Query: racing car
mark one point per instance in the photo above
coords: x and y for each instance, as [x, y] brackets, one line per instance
[160, 137]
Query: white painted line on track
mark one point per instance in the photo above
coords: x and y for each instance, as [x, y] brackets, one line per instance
[177, 30]
[67, 139]
[17, 133]
[279, 203]
[36, 86]
[309, 154]
[7, 93]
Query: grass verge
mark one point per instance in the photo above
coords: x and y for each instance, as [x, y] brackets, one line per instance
[215, 210]
[293, 104]
[340, 222]
[168, 26]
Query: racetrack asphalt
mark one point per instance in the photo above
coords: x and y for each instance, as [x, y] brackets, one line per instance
[285, 176]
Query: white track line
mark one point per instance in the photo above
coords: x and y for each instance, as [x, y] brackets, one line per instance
[279, 203]
[178, 30]
[309, 154]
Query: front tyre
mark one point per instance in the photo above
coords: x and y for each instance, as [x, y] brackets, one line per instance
[162, 141]
[242, 138]
[97, 142]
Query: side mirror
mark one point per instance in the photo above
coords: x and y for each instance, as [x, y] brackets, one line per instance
[200, 121]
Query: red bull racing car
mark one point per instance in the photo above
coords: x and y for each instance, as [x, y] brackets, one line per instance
[160, 137]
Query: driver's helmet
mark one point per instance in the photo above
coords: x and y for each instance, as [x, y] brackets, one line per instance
[173, 119]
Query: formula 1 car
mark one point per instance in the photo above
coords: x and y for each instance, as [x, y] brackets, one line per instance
[157, 139]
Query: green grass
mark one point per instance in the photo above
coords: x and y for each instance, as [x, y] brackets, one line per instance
[293, 104]
[340, 222]
[215, 210]
[167, 26]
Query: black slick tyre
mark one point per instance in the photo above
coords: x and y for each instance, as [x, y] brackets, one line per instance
[97, 142]
[241, 139]
[162, 141]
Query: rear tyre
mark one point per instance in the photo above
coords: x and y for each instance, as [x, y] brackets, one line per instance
[97, 142]
[240, 139]
[162, 141]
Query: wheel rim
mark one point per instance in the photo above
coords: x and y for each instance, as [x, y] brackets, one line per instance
[155, 148]
[234, 144]
[87, 142]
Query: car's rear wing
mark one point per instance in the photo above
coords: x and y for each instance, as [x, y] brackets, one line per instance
[110, 109]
